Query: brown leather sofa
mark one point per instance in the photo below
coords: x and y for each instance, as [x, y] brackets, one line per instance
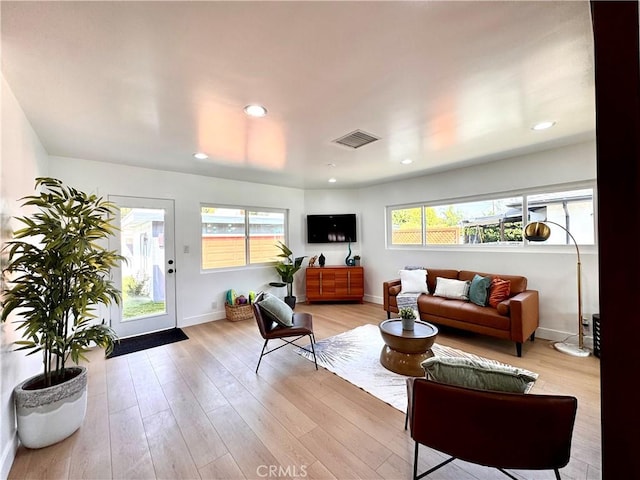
[515, 318]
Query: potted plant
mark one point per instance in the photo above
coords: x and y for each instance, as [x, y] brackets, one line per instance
[408, 316]
[58, 273]
[286, 268]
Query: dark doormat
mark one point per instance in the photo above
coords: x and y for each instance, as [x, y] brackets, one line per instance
[149, 340]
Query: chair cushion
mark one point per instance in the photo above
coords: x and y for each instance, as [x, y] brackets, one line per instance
[479, 374]
[275, 309]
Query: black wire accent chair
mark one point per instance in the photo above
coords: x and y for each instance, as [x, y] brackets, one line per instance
[269, 330]
[494, 429]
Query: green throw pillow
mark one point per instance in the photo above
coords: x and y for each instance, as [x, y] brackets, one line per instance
[479, 374]
[479, 290]
[277, 310]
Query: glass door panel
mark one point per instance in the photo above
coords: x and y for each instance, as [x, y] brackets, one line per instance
[146, 279]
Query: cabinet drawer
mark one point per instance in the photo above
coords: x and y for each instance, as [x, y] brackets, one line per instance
[334, 283]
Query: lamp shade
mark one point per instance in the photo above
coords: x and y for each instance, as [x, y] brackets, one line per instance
[537, 232]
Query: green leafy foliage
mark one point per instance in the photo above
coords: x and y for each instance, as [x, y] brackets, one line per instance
[288, 266]
[407, 217]
[135, 287]
[58, 274]
[507, 232]
[450, 216]
[407, 312]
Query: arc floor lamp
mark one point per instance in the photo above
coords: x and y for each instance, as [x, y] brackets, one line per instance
[539, 232]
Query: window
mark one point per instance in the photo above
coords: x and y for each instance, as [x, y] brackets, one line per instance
[406, 226]
[496, 221]
[236, 236]
[573, 209]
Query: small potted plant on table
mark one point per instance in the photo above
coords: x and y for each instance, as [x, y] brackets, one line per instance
[408, 316]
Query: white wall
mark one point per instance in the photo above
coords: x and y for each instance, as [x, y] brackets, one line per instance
[196, 291]
[551, 270]
[22, 160]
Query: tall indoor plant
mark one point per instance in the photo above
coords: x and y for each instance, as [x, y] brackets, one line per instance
[286, 268]
[58, 274]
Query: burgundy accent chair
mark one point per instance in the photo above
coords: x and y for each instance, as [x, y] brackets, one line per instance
[494, 429]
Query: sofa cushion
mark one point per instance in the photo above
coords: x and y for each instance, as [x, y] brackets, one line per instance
[451, 288]
[518, 282]
[480, 374]
[413, 281]
[499, 291]
[434, 273]
[479, 290]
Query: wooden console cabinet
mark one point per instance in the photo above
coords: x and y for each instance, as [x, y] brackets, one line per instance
[326, 284]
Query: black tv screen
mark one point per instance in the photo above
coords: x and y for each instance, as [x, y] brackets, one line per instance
[331, 228]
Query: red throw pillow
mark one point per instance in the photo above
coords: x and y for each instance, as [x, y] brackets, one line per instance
[499, 291]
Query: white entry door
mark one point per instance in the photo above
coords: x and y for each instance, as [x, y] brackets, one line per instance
[145, 237]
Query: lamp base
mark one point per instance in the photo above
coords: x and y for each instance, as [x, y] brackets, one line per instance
[571, 349]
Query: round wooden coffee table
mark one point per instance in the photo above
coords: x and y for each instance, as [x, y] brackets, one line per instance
[405, 350]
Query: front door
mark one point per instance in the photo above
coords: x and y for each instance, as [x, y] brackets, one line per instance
[145, 238]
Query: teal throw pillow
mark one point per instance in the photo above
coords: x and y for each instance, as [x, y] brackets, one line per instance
[479, 374]
[277, 310]
[479, 290]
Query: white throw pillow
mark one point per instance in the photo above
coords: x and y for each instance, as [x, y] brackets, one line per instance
[452, 288]
[413, 281]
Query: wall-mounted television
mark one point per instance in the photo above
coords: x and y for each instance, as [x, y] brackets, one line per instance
[331, 228]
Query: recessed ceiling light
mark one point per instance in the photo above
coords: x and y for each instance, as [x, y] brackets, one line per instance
[255, 110]
[406, 161]
[543, 125]
[201, 155]
[332, 180]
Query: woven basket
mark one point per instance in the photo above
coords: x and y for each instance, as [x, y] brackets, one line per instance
[238, 312]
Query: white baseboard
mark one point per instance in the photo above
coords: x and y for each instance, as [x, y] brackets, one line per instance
[8, 456]
[373, 299]
[198, 319]
[558, 336]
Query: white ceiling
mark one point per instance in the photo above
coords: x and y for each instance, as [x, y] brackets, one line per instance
[445, 84]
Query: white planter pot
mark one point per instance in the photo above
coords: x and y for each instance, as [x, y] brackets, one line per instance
[47, 415]
[408, 323]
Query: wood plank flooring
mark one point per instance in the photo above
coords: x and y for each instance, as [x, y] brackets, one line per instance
[196, 409]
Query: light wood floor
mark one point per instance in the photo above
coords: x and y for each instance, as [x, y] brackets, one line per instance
[196, 409]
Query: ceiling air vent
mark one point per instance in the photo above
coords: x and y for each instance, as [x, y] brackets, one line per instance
[356, 139]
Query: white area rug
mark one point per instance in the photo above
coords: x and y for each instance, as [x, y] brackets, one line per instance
[355, 356]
